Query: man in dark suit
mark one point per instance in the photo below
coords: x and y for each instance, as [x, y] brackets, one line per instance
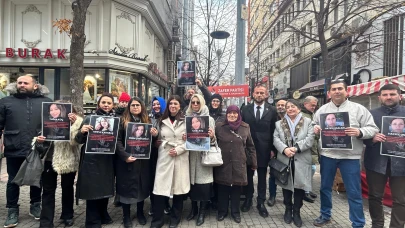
[262, 118]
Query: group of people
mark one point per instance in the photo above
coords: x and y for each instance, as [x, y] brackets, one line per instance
[248, 138]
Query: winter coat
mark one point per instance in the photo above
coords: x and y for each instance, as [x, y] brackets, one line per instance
[314, 148]
[96, 171]
[372, 159]
[200, 174]
[66, 155]
[233, 170]
[359, 117]
[133, 180]
[302, 159]
[262, 131]
[20, 118]
[173, 174]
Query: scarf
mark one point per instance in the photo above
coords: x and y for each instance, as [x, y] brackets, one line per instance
[291, 129]
[234, 125]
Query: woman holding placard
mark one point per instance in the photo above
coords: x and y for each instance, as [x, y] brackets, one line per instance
[133, 175]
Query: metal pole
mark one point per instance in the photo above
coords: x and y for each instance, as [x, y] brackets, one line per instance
[240, 46]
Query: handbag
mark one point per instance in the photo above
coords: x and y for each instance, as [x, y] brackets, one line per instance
[213, 157]
[249, 161]
[31, 169]
[280, 170]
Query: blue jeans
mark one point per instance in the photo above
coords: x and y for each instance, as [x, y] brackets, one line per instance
[272, 186]
[350, 170]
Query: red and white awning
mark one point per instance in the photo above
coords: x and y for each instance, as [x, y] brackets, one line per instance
[374, 86]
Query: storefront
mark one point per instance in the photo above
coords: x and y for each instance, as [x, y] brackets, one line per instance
[124, 52]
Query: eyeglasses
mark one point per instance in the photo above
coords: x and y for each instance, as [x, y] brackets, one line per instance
[195, 102]
[216, 101]
[135, 105]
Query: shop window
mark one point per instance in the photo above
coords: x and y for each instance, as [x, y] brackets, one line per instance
[135, 85]
[120, 81]
[143, 96]
[93, 85]
[10, 74]
[49, 81]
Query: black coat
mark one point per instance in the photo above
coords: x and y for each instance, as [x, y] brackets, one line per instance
[20, 118]
[133, 180]
[96, 171]
[262, 131]
[372, 159]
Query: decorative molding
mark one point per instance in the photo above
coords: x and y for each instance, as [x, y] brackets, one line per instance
[29, 44]
[31, 8]
[125, 15]
[124, 50]
[87, 43]
[148, 33]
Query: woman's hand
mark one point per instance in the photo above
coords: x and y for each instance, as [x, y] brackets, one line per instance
[184, 137]
[173, 152]
[72, 117]
[86, 128]
[211, 133]
[289, 152]
[154, 131]
[41, 139]
[130, 159]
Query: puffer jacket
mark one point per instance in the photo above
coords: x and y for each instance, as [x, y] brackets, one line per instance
[20, 118]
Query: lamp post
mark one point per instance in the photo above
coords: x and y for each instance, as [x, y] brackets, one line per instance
[219, 35]
[219, 55]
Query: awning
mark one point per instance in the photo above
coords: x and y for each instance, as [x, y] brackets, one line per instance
[374, 86]
[317, 85]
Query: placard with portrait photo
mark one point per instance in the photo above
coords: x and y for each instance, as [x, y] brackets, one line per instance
[103, 138]
[393, 127]
[55, 121]
[185, 73]
[138, 140]
[197, 137]
[333, 134]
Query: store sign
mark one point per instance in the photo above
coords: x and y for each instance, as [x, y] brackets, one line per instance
[230, 91]
[35, 53]
[131, 56]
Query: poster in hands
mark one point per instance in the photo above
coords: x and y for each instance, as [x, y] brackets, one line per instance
[103, 138]
[197, 137]
[185, 73]
[393, 127]
[55, 121]
[138, 140]
[333, 134]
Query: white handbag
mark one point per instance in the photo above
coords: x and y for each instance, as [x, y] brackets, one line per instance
[213, 157]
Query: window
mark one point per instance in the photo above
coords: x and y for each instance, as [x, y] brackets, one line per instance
[49, 81]
[298, 5]
[393, 48]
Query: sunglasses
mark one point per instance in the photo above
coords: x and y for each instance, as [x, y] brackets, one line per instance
[195, 102]
[135, 105]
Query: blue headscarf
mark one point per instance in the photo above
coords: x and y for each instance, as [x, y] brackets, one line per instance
[162, 103]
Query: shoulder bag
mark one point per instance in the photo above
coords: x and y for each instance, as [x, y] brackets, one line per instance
[213, 157]
[280, 170]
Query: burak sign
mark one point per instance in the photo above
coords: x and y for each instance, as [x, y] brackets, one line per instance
[35, 53]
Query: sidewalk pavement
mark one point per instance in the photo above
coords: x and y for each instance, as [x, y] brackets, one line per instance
[310, 211]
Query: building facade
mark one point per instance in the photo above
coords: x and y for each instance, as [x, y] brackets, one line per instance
[130, 47]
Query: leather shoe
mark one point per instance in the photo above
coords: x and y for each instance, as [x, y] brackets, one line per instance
[236, 218]
[68, 222]
[262, 210]
[221, 217]
[321, 221]
[308, 198]
[246, 205]
[313, 195]
[271, 201]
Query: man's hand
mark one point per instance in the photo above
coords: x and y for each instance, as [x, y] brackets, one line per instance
[317, 129]
[379, 138]
[351, 131]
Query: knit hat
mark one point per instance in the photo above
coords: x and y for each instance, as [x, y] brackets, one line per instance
[216, 96]
[124, 97]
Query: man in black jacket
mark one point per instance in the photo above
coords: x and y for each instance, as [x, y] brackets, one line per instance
[380, 168]
[262, 118]
[20, 118]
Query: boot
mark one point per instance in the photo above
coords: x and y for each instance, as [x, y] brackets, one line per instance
[201, 213]
[139, 213]
[126, 211]
[297, 217]
[193, 212]
[288, 215]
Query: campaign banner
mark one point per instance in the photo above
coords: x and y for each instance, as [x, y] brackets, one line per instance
[138, 140]
[393, 127]
[197, 137]
[230, 91]
[185, 73]
[55, 121]
[333, 134]
[103, 138]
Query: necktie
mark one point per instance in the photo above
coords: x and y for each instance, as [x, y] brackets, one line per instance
[258, 113]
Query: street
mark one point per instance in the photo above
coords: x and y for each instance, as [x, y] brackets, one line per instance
[251, 219]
